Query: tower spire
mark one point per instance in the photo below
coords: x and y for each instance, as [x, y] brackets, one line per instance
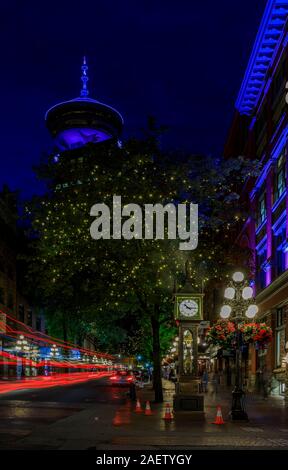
[84, 78]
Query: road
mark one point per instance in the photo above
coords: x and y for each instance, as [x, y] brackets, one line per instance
[32, 412]
[95, 415]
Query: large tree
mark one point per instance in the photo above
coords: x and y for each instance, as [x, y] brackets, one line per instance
[117, 287]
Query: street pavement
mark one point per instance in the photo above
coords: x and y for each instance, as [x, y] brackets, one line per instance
[98, 416]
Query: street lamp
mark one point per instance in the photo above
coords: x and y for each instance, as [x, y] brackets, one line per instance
[22, 345]
[239, 303]
[86, 358]
[54, 351]
[23, 348]
[34, 356]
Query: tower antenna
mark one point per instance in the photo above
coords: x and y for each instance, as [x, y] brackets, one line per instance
[84, 78]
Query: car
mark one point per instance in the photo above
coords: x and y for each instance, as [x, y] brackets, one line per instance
[122, 377]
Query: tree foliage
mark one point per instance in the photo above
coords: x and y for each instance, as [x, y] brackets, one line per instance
[122, 290]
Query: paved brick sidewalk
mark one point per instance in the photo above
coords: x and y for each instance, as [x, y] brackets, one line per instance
[118, 427]
[267, 426]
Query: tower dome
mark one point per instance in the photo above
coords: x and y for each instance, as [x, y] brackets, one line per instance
[76, 122]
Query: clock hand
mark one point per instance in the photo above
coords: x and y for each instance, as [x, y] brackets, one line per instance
[190, 308]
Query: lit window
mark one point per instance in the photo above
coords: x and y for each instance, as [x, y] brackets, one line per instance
[279, 317]
[279, 337]
[280, 178]
[261, 275]
[261, 209]
[279, 240]
[278, 349]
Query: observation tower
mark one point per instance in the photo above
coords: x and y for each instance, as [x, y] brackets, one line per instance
[81, 120]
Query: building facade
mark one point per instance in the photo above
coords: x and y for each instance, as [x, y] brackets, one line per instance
[260, 131]
[13, 298]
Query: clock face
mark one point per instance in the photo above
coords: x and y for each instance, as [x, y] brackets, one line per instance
[188, 308]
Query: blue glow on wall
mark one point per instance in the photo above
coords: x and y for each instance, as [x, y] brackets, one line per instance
[269, 33]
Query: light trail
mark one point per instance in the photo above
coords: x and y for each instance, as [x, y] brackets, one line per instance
[55, 380]
[12, 329]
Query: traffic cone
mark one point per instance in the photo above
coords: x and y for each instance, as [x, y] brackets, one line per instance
[219, 417]
[138, 408]
[168, 415]
[148, 411]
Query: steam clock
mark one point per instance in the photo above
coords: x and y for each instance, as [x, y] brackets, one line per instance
[188, 311]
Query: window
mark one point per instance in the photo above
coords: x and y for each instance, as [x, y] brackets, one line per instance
[261, 275]
[2, 297]
[278, 82]
[261, 209]
[21, 313]
[29, 318]
[10, 300]
[261, 123]
[280, 261]
[38, 324]
[279, 337]
[280, 178]
[279, 256]
[279, 317]
[278, 349]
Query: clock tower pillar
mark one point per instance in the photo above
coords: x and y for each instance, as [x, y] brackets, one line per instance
[188, 312]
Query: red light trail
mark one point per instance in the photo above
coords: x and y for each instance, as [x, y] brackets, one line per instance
[44, 361]
[19, 328]
[55, 380]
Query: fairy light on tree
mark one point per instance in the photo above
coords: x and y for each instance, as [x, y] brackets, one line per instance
[123, 287]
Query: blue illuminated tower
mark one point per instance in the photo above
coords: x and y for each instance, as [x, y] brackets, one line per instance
[81, 120]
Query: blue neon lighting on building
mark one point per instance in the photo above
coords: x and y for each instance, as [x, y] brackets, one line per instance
[269, 33]
[275, 153]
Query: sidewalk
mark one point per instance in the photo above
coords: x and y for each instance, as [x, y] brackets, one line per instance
[267, 426]
[106, 427]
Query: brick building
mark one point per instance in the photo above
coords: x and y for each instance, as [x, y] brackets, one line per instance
[260, 131]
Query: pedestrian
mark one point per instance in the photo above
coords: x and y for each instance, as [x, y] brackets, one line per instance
[205, 381]
[216, 382]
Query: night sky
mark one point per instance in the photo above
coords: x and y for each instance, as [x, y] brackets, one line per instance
[182, 61]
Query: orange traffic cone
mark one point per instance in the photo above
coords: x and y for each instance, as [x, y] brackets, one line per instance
[168, 414]
[148, 411]
[219, 417]
[138, 408]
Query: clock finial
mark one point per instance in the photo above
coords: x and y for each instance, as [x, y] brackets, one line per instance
[189, 278]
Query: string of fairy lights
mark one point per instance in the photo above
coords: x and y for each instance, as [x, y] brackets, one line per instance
[148, 267]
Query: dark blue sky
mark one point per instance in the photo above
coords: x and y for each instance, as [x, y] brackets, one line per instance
[182, 61]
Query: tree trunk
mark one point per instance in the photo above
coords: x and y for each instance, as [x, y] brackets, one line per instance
[157, 376]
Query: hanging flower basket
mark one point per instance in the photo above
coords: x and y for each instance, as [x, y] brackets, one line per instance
[258, 333]
[222, 334]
